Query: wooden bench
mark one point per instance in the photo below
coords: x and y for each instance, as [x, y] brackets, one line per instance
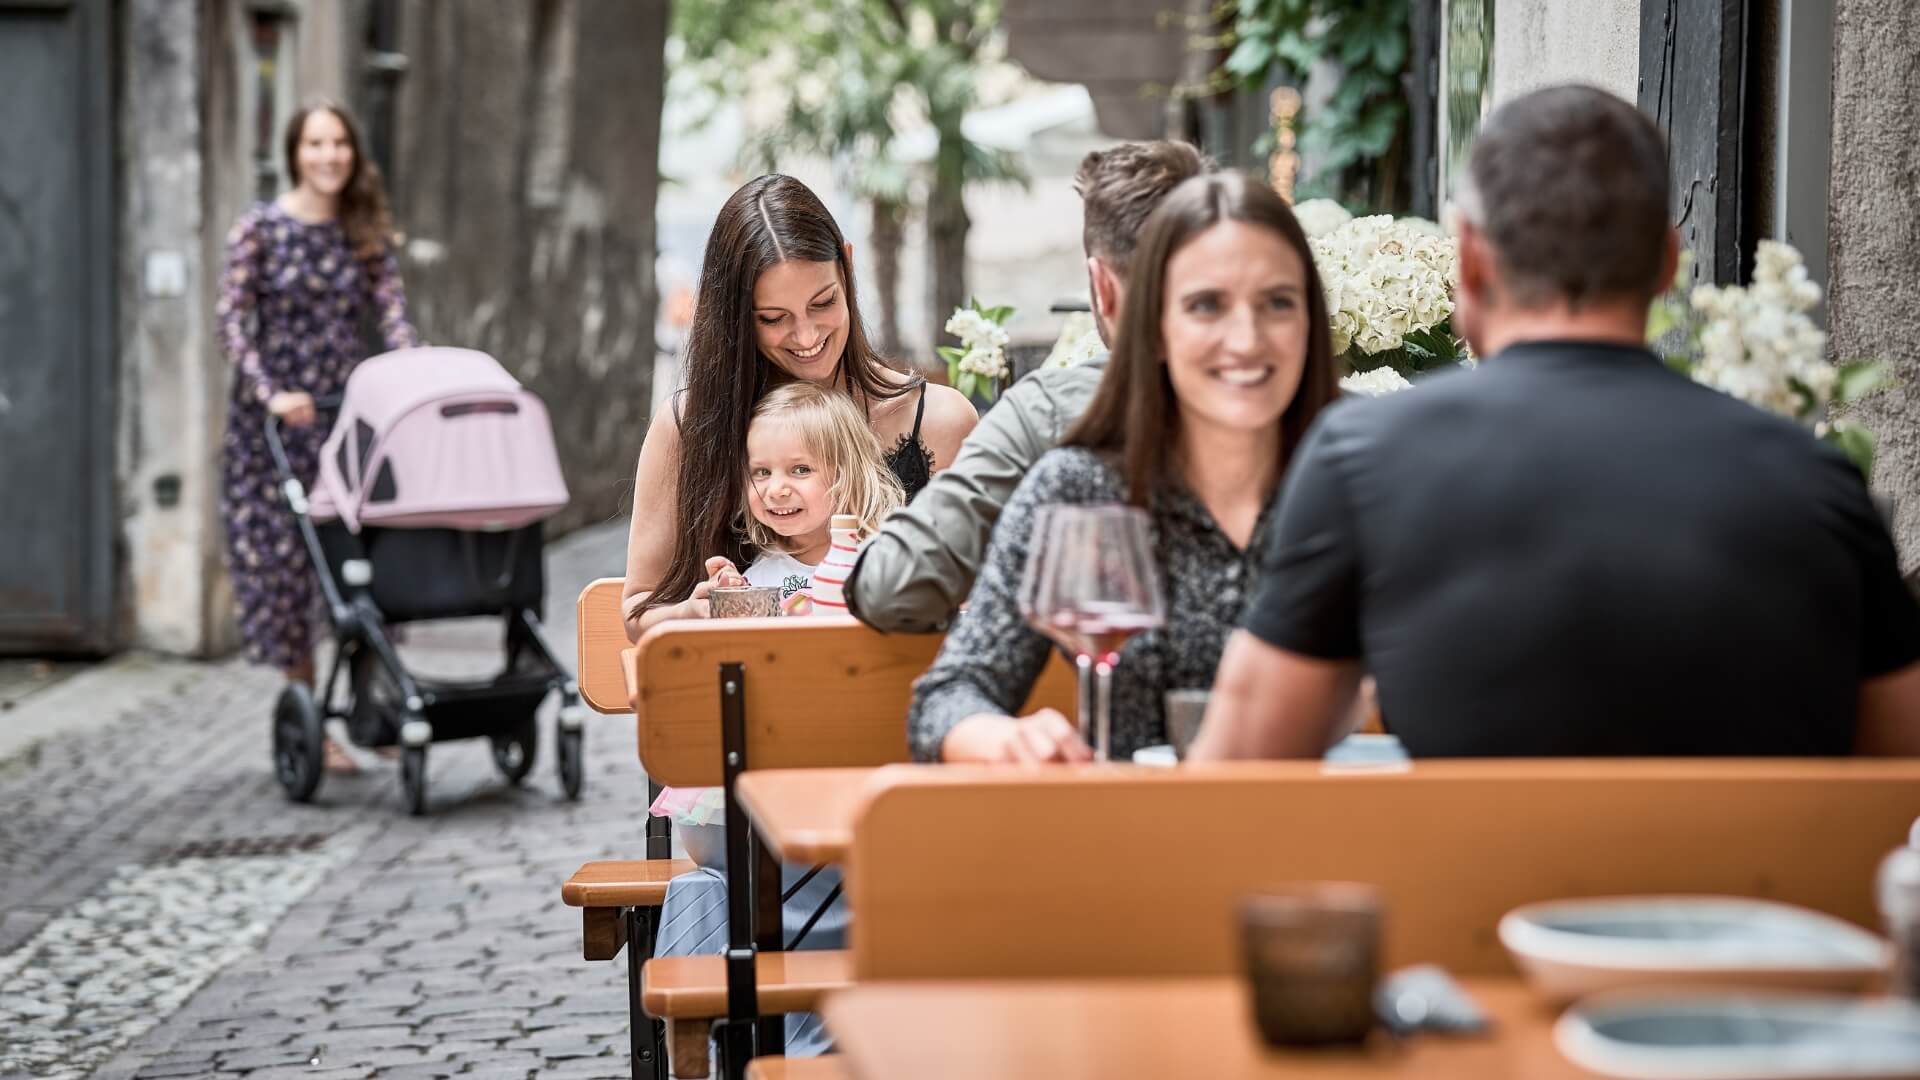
[619, 900]
[818, 692]
[964, 873]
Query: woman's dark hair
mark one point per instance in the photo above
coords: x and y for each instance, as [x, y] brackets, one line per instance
[363, 202]
[770, 220]
[1133, 413]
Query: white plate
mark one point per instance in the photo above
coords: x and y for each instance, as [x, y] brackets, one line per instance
[1743, 1037]
[1567, 948]
[1352, 752]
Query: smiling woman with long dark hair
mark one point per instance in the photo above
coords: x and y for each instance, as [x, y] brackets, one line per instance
[777, 303]
[301, 272]
[1221, 361]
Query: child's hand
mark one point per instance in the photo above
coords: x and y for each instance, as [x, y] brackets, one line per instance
[797, 604]
[723, 574]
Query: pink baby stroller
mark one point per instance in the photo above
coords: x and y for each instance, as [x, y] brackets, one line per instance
[432, 488]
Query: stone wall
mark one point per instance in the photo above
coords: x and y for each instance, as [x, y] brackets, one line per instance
[171, 376]
[525, 175]
[1874, 234]
[1541, 42]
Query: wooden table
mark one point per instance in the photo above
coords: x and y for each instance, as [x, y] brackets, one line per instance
[805, 815]
[1190, 1027]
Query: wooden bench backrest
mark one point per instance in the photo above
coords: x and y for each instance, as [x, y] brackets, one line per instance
[601, 637]
[1139, 872]
[823, 691]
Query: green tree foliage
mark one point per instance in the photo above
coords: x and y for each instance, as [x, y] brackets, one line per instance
[1357, 137]
[836, 76]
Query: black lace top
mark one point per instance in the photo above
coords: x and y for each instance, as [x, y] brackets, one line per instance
[910, 459]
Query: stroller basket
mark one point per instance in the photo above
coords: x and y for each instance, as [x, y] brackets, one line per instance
[444, 573]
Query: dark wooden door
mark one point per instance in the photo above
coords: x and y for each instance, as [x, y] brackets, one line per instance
[1693, 82]
[56, 327]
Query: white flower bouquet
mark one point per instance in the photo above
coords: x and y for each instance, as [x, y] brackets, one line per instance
[1760, 344]
[1388, 283]
[1079, 342]
[979, 365]
[1318, 217]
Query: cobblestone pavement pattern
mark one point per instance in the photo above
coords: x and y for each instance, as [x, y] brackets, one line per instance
[394, 947]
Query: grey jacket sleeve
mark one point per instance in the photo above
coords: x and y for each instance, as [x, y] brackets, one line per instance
[918, 569]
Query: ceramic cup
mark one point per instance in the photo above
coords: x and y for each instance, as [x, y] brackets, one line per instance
[745, 602]
[1185, 708]
[1313, 958]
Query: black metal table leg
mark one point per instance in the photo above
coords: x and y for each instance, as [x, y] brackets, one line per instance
[647, 1037]
[737, 1034]
[767, 937]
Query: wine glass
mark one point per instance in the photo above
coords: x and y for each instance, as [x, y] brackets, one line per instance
[1034, 580]
[1092, 584]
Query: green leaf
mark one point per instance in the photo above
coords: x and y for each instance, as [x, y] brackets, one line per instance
[1856, 442]
[1390, 51]
[1861, 378]
[1250, 59]
[950, 353]
[1000, 314]
[1660, 320]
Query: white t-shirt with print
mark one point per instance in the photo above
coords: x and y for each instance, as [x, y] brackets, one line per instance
[782, 569]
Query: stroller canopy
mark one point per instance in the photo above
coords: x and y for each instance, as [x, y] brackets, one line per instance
[438, 438]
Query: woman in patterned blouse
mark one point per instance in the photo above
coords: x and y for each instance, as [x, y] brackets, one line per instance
[301, 273]
[1222, 360]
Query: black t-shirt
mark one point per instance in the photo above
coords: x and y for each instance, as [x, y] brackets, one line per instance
[1575, 551]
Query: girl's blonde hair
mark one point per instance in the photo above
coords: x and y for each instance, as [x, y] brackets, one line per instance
[835, 433]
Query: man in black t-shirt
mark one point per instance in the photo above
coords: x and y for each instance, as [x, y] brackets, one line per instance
[1571, 550]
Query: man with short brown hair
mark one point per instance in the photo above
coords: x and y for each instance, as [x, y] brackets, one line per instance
[1119, 188]
[915, 573]
[1571, 550]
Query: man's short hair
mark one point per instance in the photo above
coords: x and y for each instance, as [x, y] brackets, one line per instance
[1121, 186]
[1569, 186]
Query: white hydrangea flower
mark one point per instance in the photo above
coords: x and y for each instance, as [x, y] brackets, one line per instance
[1759, 341]
[987, 360]
[1072, 352]
[973, 328]
[1384, 279]
[1374, 383]
[1318, 217]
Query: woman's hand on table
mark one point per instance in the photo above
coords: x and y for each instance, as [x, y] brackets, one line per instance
[1045, 736]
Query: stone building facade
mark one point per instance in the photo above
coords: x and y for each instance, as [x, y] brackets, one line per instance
[523, 139]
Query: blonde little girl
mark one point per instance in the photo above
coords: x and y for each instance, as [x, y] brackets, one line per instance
[810, 456]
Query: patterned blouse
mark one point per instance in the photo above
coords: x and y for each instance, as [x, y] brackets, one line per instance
[992, 658]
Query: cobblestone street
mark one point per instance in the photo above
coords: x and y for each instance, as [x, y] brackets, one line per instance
[166, 912]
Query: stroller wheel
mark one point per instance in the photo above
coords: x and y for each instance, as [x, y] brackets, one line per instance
[514, 752]
[298, 739]
[413, 778]
[572, 767]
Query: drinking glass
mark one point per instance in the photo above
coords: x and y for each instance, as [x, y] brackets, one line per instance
[1034, 579]
[1091, 584]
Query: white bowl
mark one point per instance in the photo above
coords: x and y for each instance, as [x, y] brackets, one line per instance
[1567, 948]
[1742, 1036]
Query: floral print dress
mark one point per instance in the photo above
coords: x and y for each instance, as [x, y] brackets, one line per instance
[291, 307]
